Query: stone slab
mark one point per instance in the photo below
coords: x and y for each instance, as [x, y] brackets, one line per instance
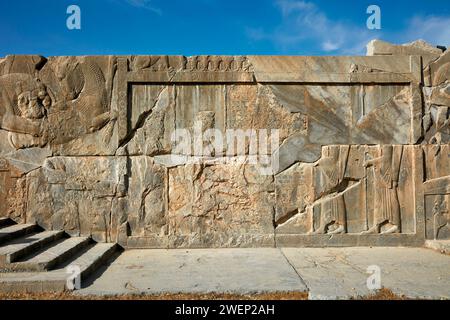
[56, 254]
[56, 280]
[90, 260]
[16, 231]
[32, 282]
[326, 273]
[197, 271]
[386, 69]
[346, 240]
[22, 246]
[342, 273]
[442, 246]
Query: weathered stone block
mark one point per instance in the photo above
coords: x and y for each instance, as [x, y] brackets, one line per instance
[230, 151]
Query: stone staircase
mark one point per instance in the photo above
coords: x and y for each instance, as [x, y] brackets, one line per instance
[35, 260]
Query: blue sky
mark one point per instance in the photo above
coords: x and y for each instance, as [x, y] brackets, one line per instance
[189, 27]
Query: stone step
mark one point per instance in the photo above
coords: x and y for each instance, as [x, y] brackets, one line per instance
[52, 256]
[16, 231]
[19, 248]
[93, 258]
[32, 282]
[56, 280]
[5, 222]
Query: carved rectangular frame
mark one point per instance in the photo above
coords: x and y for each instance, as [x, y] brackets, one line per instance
[300, 70]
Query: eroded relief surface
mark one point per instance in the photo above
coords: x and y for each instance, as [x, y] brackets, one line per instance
[87, 145]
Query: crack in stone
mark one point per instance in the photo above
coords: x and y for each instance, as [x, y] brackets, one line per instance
[295, 270]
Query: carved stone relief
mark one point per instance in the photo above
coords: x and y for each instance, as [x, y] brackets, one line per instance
[87, 145]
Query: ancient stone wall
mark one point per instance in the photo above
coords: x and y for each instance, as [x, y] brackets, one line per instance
[358, 148]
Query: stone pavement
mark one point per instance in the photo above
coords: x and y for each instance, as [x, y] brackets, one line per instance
[442, 246]
[325, 273]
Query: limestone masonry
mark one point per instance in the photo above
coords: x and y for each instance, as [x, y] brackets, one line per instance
[86, 146]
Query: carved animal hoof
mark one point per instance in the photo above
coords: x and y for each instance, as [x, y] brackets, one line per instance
[392, 229]
[340, 229]
[373, 230]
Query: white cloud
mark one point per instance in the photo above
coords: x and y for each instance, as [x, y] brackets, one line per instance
[303, 21]
[433, 29]
[287, 7]
[330, 46]
[145, 4]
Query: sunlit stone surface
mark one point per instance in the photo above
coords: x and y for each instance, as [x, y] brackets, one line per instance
[363, 157]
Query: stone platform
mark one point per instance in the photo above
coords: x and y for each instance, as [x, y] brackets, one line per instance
[332, 273]
[230, 151]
